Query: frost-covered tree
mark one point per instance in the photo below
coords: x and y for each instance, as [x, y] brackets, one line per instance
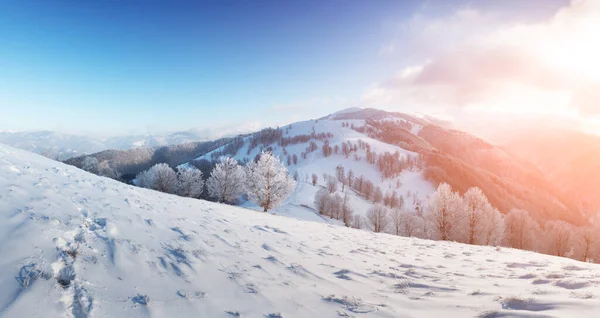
[190, 182]
[358, 221]
[396, 217]
[340, 174]
[520, 229]
[444, 212]
[314, 179]
[346, 210]
[90, 164]
[410, 224]
[268, 181]
[492, 228]
[558, 236]
[321, 200]
[227, 180]
[587, 239]
[378, 218]
[476, 207]
[377, 195]
[159, 177]
[332, 184]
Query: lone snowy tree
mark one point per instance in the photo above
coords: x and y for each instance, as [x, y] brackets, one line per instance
[190, 182]
[443, 213]
[268, 181]
[159, 177]
[226, 181]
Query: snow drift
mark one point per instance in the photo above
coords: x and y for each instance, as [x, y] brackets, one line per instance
[77, 245]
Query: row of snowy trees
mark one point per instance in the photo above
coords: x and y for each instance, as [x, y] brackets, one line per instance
[470, 219]
[265, 181]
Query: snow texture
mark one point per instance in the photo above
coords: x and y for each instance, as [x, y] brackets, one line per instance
[77, 245]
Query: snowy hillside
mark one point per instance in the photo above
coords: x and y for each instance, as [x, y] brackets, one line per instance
[410, 184]
[77, 245]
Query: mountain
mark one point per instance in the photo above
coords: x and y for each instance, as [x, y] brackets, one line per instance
[77, 245]
[419, 154]
[61, 146]
[569, 158]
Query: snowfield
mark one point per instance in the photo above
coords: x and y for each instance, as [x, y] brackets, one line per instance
[77, 245]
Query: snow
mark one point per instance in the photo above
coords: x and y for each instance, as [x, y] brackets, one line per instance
[77, 245]
[300, 204]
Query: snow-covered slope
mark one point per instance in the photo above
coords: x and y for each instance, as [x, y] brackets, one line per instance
[412, 183]
[77, 245]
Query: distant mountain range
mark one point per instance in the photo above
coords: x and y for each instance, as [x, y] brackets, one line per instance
[62, 146]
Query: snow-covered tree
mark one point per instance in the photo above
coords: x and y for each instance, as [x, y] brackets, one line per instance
[358, 221]
[90, 164]
[340, 174]
[159, 177]
[268, 181]
[520, 229]
[227, 180]
[492, 228]
[190, 182]
[346, 210]
[476, 207]
[558, 236]
[332, 184]
[410, 224]
[444, 212]
[321, 200]
[396, 217]
[378, 218]
[587, 239]
[377, 195]
[314, 179]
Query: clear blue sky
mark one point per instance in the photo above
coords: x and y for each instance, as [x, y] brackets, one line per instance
[112, 67]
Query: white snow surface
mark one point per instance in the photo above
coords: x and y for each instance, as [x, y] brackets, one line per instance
[77, 245]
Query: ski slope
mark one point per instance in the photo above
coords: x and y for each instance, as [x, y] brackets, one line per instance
[77, 245]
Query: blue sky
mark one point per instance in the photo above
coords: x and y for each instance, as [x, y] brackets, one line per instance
[112, 67]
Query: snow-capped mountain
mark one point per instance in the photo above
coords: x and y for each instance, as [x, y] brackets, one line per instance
[78, 245]
[62, 146]
[418, 153]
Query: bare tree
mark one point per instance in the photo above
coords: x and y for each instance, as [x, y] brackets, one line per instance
[357, 222]
[346, 210]
[378, 218]
[377, 195]
[396, 217]
[322, 200]
[558, 235]
[332, 184]
[340, 174]
[410, 224]
[588, 242]
[315, 179]
[520, 229]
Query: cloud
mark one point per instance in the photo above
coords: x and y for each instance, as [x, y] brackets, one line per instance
[471, 60]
